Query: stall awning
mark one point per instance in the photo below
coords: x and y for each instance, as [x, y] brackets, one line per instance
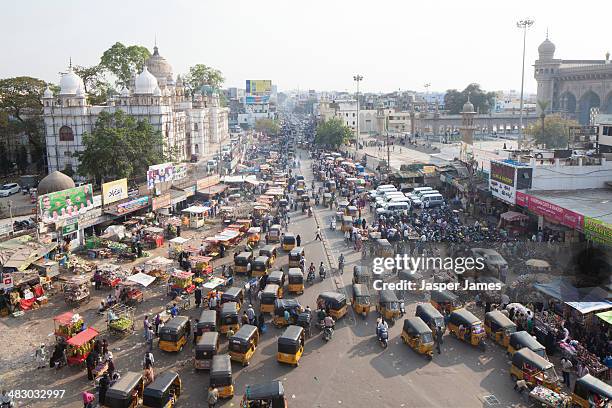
[212, 190]
[589, 307]
[178, 240]
[142, 278]
[83, 337]
[512, 216]
[196, 209]
[63, 319]
[606, 316]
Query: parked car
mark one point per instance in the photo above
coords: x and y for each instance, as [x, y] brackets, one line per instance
[492, 259]
[9, 189]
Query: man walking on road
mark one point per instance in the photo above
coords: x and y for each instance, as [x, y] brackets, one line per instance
[439, 340]
[298, 239]
[318, 236]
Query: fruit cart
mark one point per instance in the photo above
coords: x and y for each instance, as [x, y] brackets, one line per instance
[123, 322]
[133, 294]
[111, 274]
[67, 325]
[80, 345]
[176, 246]
[76, 290]
[158, 267]
[548, 398]
[201, 264]
[181, 282]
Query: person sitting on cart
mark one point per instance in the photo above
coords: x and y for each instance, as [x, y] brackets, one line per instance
[174, 311]
[111, 315]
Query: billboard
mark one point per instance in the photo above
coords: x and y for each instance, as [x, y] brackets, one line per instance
[258, 86]
[550, 211]
[159, 173]
[257, 99]
[133, 205]
[114, 191]
[506, 178]
[598, 231]
[180, 171]
[64, 204]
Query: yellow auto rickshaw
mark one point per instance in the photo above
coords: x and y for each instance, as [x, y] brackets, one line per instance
[291, 306]
[254, 235]
[295, 255]
[361, 299]
[590, 391]
[326, 199]
[206, 323]
[388, 305]
[268, 295]
[243, 343]
[126, 392]
[342, 205]
[221, 376]
[331, 186]
[274, 234]
[228, 317]
[535, 370]
[260, 266]
[163, 392]
[361, 275]
[431, 316]
[347, 223]
[466, 327]
[445, 301]
[270, 252]
[277, 278]
[205, 349]
[352, 211]
[289, 241]
[242, 262]
[173, 335]
[300, 191]
[521, 339]
[499, 327]
[272, 394]
[296, 281]
[334, 303]
[233, 294]
[291, 345]
[418, 336]
[384, 249]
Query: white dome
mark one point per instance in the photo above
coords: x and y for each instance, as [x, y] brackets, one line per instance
[80, 92]
[157, 92]
[145, 83]
[125, 92]
[70, 82]
[48, 93]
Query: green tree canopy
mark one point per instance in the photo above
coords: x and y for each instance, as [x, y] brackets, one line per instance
[200, 75]
[119, 146]
[268, 126]
[554, 134]
[123, 62]
[96, 86]
[483, 101]
[333, 132]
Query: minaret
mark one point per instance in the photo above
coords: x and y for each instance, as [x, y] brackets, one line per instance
[546, 69]
[467, 125]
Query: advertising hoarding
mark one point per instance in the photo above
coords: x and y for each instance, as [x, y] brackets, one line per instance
[133, 205]
[66, 203]
[159, 173]
[258, 86]
[550, 211]
[114, 191]
[180, 171]
[257, 99]
[506, 178]
[598, 231]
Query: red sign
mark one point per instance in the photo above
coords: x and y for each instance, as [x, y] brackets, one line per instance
[551, 211]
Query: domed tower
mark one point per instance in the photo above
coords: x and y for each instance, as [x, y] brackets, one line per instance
[72, 89]
[160, 69]
[146, 88]
[546, 70]
[467, 126]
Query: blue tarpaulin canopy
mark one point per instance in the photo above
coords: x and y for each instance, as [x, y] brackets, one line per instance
[585, 300]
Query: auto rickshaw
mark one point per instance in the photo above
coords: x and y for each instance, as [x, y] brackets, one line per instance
[334, 303]
[347, 223]
[126, 392]
[254, 235]
[590, 391]
[430, 316]
[260, 266]
[295, 255]
[326, 199]
[233, 294]
[228, 317]
[300, 191]
[361, 299]
[352, 211]
[173, 335]
[418, 336]
[342, 206]
[242, 262]
[206, 347]
[277, 278]
[243, 343]
[445, 301]
[270, 252]
[268, 295]
[289, 241]
[290, 305]
[384, 248]
[221, 375]
[388, 305]
[295, 276]
[272, 394]
[331, 186]
[521, 339]
[291, 345]
[206, 323]
[535, 370]
[361, 275]
[163, 392]
[274, 233]
[471, 330]
[499, 327]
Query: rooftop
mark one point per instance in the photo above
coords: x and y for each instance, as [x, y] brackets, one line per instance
[595, 203]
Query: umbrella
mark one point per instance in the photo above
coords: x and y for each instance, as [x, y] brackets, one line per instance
[537, 263]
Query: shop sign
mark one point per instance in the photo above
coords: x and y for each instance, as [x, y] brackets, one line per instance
[71, 225]
[208, 182]
[133, 205]
[190, 191]
[162, 201]
[7, 281]
[114, 191]
[180, 171]
[159, 173]
[550, 211]
[598, 231]
[501, 181]
[6, 229]
[65, 204]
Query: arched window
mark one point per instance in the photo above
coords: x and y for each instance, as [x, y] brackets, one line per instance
[66, 134]
[196, 148]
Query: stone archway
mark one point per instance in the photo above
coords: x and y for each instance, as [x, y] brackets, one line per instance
[607, 106]
[588, 101]
[567, 103]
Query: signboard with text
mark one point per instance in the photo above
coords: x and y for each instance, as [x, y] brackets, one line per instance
[66, 203]
[505, 178]
[598, 231]
[70, 225]
[159, 173]
[7, 281]
[114, 191]
[550, 211]
[133, 205]
[258, 86]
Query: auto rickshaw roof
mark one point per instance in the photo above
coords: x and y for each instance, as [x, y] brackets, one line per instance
[232, 292]
[261, 259]
[359, 270]
[276, 275]
[229, 308]
[286, 304]
[443, 296]
[244, 255]
[291, 335]
[463, 316]
[499, 318]
[264, 391]
[347, 218]
[244, 333]
[208, 316]
[175, 323]
[360, 290]
[295, 272]
[524, 339]
[161, 384]
[221, 366]
[415, 325]
[208, 339]
[428, 310]
[122, 389]
[268, 248]
[388, 296]
[594, 384]
[271, 288]
[525, 355]
[333, 299]
[383, 242]
[296, 251]
[275, 227]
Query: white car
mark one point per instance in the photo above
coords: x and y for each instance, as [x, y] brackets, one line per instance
[9, 189]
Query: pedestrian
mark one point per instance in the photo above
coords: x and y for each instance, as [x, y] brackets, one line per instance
[148, 375]
[195, 331]
[150, 337]
[244, 318]
[213, 397]
[111, 365]
[90, 363]
[318, 235]
[439, 339]
[157, 323]
[146, 325]
[250, 312]
[212, 303]
[103, 386]
[198, 296]
[298, 239]
[148, 359]
[41, 356]
[88, 399]
[566, 368]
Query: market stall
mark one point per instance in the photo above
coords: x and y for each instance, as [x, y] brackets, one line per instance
[76, 290]
[177, 245]
[67, 325]
[80, 345]
[110, 274]
[153, 237]
[158, 267]
[196, 215]
[181, 282]
[120, 319]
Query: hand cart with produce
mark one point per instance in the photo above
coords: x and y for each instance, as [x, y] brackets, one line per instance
[67, 325]
[80, 345]
[110, 274]
[122, 321]
[548, 398]
[181, 282]
[76, 290]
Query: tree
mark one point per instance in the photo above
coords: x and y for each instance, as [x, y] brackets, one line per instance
[5, 161]
[96, 86]
[482, 101]
[200, 75]
[123, 62]
[22, 159]
[118, 147]
[553, 133]
[267, 126]
[333, 132]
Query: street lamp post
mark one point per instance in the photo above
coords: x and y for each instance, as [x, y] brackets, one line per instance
[357, 78]
[524, 24]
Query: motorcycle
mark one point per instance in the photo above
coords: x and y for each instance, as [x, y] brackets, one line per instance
[322, 273]
[311, 277]
[309, 212]
[383, 337]
[328, 332]
[332, 225]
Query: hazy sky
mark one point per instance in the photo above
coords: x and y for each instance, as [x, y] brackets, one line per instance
[314, 44]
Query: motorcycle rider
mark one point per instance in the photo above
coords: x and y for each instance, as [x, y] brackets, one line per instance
[328, 326]
[311, 272]
[381, 327]
[322, 272]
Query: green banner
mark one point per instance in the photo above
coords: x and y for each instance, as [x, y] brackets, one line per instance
[70, 226]
[598, 231]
